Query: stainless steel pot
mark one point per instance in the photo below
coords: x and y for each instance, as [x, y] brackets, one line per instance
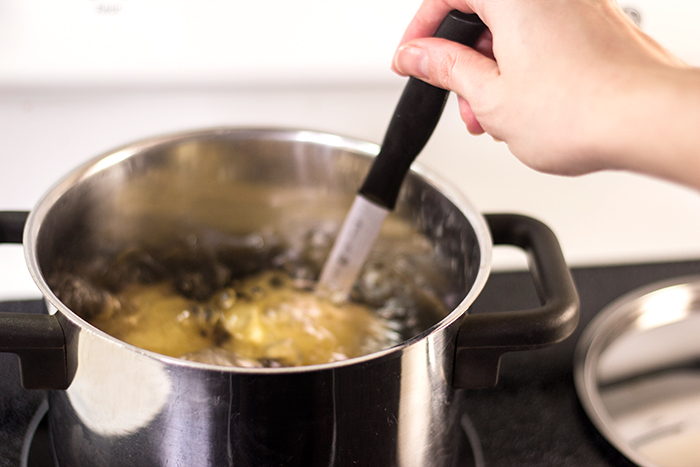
[115, 404]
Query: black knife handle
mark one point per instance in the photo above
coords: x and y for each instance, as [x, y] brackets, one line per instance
[415, 118]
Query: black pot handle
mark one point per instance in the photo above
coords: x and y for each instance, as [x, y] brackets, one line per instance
[483, 338]
[38, 340]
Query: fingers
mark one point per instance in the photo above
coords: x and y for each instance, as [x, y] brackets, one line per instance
[447, 65]
[468, 117]
[429, 16]
[443, 63]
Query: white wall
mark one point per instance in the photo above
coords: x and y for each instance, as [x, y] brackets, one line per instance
[76, 81]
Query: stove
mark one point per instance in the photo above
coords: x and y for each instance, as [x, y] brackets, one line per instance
[532, 417]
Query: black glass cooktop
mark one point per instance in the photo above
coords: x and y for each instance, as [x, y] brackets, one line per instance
[532, 417]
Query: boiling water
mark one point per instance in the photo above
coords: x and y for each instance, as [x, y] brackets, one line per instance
[248, 300]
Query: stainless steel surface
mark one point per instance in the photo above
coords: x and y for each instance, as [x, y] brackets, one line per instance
[637, 374]
[131, 407]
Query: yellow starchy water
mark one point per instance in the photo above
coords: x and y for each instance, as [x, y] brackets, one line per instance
[264, 320]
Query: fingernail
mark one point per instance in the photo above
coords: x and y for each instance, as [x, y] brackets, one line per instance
[412, 61]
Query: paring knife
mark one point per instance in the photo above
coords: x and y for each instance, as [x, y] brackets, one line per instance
[415, 117]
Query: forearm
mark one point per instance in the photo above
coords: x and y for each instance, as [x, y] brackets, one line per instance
[653, 127]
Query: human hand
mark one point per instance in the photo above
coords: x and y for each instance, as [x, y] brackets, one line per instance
[564, 84]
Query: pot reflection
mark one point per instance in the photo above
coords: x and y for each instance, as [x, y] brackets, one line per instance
[103, 402]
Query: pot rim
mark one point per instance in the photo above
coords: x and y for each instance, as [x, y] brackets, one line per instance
[112, 157]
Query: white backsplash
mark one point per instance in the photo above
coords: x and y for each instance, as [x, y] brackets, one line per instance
[236, 42]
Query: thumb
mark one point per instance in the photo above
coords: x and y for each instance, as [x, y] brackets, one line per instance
[447, 65]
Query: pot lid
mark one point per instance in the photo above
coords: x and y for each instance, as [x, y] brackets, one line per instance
[637, 373]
